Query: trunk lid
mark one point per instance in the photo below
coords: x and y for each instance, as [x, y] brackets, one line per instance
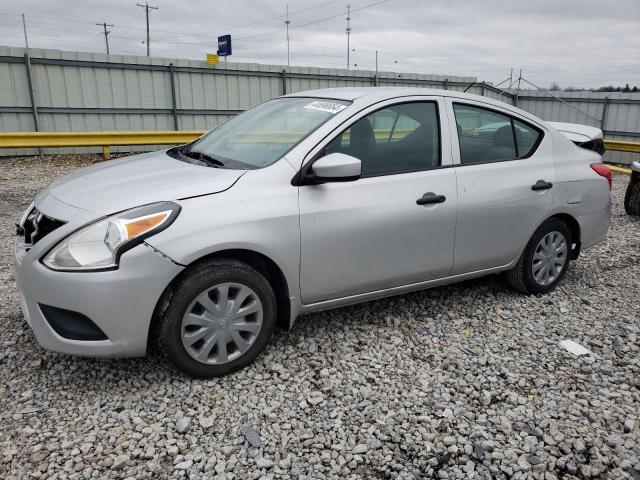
[589, 138]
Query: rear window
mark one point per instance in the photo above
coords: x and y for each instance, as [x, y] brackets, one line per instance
[488, 136]
[526, 138]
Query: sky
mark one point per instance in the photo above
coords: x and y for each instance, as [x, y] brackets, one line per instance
[576, 43]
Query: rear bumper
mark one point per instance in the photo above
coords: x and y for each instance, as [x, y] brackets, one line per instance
[594, 227]
[119, 302]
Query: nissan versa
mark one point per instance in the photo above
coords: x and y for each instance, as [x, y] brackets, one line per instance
[307, 202]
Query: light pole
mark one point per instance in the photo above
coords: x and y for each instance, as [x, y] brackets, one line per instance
[348, 32]
[287, 22]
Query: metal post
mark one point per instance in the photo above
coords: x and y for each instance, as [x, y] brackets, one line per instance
[34, 107]
[482, 88]
[376, 63]
[283, 75]
[603, 120]
[174, 109]
[287, 22]
[348, 33]
[24, 27]
[446, 84]
[515, 98]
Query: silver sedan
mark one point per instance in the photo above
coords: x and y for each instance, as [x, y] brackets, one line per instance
[307, 202]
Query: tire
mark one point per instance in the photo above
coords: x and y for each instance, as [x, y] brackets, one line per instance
[632, 195]
[207, 281]
[522, 277]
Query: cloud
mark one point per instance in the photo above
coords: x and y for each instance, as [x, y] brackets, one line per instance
[576, 43]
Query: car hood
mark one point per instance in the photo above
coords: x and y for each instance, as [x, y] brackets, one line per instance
[116, 185]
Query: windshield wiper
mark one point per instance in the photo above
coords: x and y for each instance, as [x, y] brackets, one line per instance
[205, 157]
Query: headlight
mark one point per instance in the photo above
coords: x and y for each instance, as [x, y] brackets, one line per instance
[98, 246]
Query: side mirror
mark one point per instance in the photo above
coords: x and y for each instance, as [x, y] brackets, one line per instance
[335, 167]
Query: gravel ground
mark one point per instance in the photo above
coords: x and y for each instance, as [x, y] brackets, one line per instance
[465, 381]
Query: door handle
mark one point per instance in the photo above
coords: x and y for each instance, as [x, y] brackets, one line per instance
[541, 185]
[430, 197]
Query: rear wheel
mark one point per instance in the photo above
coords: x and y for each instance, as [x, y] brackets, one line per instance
[544, 260]
[219, 318]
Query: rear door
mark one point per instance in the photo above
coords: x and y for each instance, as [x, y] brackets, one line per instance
[506, 179]
[375, 233]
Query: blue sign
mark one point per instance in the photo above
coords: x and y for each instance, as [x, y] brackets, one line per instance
[224, 45]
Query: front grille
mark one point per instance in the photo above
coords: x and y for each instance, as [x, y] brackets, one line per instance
[36, 226]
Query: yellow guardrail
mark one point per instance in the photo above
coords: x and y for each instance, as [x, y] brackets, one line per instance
[622, 146]
[118, 138]
[95, 139]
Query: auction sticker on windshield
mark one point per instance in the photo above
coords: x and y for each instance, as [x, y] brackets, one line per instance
[324, 106]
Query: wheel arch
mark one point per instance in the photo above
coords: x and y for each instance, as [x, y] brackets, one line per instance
[259, 261]
[574, 228]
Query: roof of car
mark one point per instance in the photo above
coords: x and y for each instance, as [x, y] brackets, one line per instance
[376, 94]
[352, 93]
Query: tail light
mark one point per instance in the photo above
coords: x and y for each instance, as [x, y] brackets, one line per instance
[603, 171]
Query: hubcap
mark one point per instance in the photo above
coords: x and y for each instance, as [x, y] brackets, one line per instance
[221, 323]
[549, 258]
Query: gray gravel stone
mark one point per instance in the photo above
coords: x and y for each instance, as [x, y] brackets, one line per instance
[183, 424]
[120, 461]
[464, 381]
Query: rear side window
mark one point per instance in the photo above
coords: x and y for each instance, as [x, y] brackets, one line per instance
[527, 138]
[396, 139]
[488, 136]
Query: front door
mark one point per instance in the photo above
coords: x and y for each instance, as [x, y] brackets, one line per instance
[396, 224]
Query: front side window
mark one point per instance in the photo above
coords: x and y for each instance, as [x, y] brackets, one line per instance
[396, 139]
[487, 136]
[264, 134]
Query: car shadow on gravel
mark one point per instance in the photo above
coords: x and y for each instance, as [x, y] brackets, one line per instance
[84, 374]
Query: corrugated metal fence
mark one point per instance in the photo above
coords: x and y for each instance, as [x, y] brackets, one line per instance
[52, 90]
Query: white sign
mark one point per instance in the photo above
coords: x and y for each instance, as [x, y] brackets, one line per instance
[325, 106]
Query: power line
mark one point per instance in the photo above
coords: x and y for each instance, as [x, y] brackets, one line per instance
[106, 33]
[180, 33]
[314, 21]
[147, 7]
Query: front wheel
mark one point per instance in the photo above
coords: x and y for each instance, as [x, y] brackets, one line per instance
[544, 260]
[219, 318]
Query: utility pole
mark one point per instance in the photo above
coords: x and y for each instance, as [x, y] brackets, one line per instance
[147, 7]
[106, 33]
[24, 27]
[348, 32]
[511, 78]
[286, 22]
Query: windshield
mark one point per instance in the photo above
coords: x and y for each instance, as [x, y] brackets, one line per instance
[262, 135]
